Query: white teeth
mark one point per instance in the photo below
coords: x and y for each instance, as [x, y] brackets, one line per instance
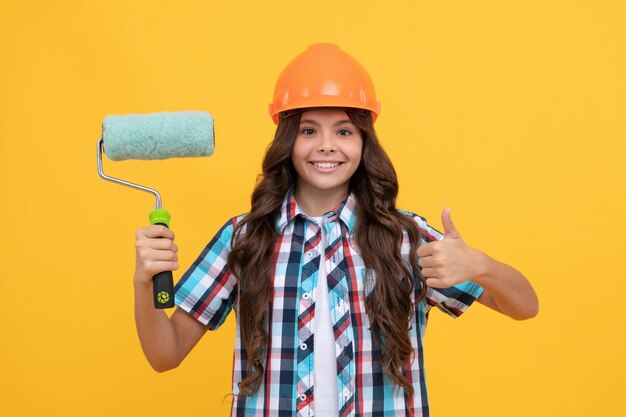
[326, 164]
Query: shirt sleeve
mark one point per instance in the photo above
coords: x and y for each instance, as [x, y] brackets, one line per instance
[208, 290]
[454, 300]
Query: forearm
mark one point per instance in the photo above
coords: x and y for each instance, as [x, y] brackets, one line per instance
[157, 334]
[509, 290]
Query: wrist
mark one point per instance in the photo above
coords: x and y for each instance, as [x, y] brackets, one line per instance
[485, 265]
[142, 284]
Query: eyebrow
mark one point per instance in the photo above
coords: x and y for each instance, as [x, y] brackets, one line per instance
[340, 122]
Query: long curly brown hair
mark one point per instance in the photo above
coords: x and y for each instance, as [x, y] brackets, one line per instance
[378, 236]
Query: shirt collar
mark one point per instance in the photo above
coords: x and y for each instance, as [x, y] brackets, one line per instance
[346, 211]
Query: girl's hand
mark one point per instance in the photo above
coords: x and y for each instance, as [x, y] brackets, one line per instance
[449, 261]
[155, 252]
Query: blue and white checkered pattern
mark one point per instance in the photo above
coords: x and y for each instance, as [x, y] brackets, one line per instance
[208, 291]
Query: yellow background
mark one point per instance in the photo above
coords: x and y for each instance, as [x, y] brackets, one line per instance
[511, 113]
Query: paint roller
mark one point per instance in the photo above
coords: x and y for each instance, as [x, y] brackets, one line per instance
[156, 136]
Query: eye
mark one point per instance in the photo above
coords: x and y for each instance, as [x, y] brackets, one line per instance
[307, 131]
[344, 132]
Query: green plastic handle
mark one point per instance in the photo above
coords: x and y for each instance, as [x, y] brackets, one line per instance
[163, 282]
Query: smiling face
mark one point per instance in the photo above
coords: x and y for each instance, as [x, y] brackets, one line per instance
[326, 152]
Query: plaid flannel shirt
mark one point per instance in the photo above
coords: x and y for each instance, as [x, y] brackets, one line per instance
[208, 291]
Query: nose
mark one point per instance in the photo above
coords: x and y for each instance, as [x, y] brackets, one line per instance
[326, 144]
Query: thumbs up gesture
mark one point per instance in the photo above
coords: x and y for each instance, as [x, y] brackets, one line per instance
[449, 261]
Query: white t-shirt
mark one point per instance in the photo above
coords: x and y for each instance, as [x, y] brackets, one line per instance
[325, 370]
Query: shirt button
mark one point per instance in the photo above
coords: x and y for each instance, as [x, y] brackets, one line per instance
[303, 346]
[306, 295]
[302, 397]
[309, 254]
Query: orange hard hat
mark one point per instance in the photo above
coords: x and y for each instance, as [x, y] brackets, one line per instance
[324, 76]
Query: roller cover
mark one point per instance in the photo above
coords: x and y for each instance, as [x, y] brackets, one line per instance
[158, 135]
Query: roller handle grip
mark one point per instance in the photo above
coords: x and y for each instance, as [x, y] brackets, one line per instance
[163, 288]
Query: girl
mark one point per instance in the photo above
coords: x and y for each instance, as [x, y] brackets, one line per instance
[332, 285]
